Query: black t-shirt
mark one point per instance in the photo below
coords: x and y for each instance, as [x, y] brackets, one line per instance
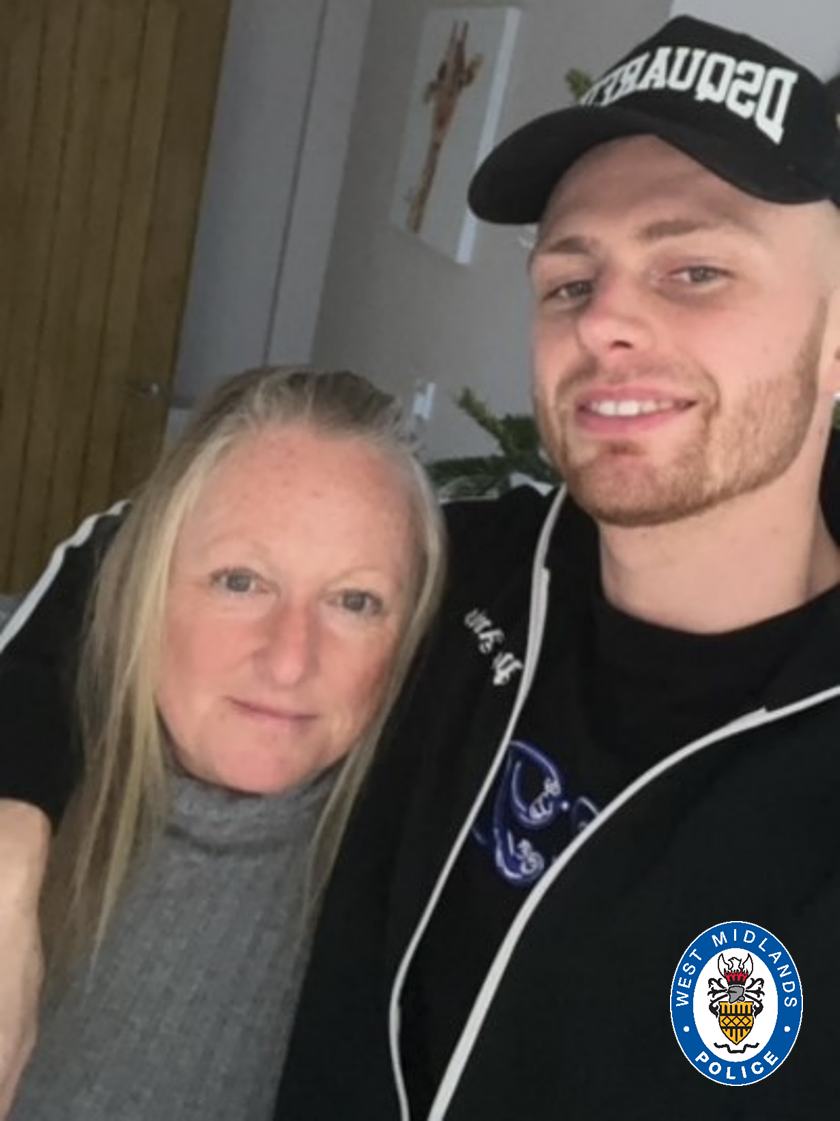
[612, 696]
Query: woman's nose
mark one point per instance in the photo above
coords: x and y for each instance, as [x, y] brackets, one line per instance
[289, 647]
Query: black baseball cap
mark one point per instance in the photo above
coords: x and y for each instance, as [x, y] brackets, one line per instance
[745, 111]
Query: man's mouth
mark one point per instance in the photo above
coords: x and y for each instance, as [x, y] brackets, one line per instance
[633, 407]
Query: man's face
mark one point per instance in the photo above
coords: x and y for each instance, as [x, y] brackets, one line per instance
[678, 335]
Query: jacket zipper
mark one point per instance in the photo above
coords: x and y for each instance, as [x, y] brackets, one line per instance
[537, 614]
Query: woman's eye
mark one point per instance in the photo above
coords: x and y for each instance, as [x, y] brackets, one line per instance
[360, 603]
[238, 581]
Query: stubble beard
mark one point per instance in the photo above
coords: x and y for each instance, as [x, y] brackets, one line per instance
[728, 456]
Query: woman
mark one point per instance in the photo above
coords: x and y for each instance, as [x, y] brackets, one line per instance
[253, 619]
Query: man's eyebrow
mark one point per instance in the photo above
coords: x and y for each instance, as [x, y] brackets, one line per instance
[665, 228]
[579, 245]
[573, 245]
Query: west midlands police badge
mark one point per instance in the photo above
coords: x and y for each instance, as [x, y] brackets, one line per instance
[736, 1003]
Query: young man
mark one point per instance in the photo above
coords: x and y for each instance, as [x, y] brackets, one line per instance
[605, 828]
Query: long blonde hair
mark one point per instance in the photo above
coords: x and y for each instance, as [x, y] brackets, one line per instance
[120, 806]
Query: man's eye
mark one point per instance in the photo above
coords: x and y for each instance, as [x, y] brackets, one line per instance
[238, 581]
[569, 292]
[360, 603]
[700, 274]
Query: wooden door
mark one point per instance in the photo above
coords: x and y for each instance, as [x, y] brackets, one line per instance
[105, 115]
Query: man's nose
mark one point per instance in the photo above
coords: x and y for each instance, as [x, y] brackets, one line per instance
[616, 318]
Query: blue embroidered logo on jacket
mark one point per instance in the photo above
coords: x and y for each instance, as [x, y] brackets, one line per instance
[530, 797]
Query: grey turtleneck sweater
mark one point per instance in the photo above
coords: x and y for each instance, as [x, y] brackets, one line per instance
[186, 1015]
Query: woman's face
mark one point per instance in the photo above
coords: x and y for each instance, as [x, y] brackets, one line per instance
[288, 593]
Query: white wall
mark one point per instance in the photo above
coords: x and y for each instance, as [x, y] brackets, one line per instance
[808, 30]
[286, 93]
[323, 150]
[394, 308]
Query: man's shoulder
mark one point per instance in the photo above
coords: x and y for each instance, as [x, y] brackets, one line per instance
[53, 603]
[513, 520]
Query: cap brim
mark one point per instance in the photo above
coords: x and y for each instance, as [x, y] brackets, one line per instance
[514, 183]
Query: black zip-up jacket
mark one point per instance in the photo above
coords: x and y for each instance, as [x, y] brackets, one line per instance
[574, 1019]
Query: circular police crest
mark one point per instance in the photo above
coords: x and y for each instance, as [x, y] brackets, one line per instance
[736, 1003]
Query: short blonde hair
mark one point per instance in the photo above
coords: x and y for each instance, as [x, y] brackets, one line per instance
[121, 803]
